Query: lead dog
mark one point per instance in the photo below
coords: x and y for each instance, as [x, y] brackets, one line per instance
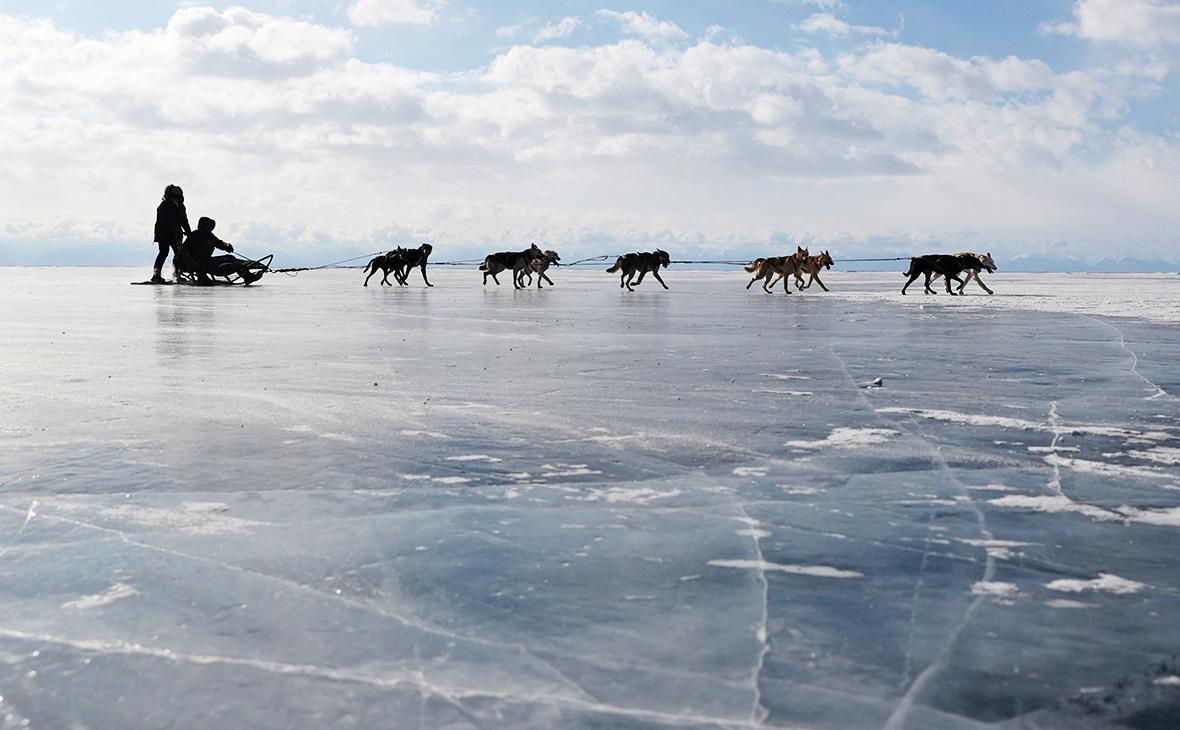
[988, 263]
[516, 261]
[642, 263]
[945, 264]
[812, 265]
[766, 269]
[539, 266]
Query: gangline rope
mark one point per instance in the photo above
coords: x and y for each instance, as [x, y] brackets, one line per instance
[589, 261]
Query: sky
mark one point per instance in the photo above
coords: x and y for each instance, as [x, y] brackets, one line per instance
[1047, 129]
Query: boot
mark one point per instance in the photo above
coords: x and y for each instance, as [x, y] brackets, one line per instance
[156, 278]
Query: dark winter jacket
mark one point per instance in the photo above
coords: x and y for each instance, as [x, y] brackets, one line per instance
[201, 242]
[171, 222]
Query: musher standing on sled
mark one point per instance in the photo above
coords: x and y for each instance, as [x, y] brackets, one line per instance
[171, 226]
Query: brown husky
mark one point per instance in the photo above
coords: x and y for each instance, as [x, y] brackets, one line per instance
[539, 266]
[641, 263]
[812, 265]
[784, 266]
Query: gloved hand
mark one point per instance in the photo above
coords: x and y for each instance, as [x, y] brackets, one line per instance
[229, 248]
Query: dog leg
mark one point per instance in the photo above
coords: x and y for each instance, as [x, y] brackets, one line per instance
[657, 275]
[817, 280]
[641, 275]
[913, 278]
[980, 282]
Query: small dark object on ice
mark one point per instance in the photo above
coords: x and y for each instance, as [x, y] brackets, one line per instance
[874, 383]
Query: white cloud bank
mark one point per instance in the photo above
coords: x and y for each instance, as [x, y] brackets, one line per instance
[1132, 22]
[276, 128]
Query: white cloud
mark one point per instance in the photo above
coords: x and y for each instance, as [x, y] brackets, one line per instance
[1132, 22]
[644, 25]
[829, 24]
[561, 29]
[278, 130]
[395, 12]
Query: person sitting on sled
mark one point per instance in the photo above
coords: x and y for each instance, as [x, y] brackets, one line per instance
[196, 253]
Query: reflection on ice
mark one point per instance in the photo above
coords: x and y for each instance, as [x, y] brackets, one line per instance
[311, 504]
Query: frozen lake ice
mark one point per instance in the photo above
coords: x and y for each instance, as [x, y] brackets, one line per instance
[309, 504]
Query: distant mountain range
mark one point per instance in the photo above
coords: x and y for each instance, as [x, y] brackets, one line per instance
[88, 254]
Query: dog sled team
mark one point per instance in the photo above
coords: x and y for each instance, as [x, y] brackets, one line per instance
[772, 270]
[194, 262]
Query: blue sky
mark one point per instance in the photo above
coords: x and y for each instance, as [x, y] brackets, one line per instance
[1042, 127]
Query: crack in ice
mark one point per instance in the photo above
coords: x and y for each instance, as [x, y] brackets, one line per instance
[899, 716]
[414, 680]
[360, 605]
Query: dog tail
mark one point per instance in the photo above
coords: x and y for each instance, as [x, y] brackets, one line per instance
[753, 265]
[484, 265]
[910, 271]
[617, 267]
[369, 266]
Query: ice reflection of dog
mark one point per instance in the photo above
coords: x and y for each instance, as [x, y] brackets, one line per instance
[766, 269]
[988, 263]
[515, 261]
[945, 264]
[539, 266]
[642, 263]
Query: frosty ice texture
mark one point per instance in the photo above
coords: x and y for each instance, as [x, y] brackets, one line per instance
[311, 504]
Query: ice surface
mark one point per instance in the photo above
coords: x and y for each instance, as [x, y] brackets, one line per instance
[310, 504]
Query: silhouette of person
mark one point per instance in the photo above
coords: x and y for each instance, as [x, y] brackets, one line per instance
[198, 247]
[171, 226]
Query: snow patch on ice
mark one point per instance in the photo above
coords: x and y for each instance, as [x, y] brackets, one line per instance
[452, 480]
[1054, 504]
[1103, 469]
[116, 592]
[818, 571]
[996, 588]
[1066, 603]
[749, 471]
[805, 491]
[637, 495]
[1104, 583]
[1164, 517]
[427, 434]
[993, 488]
[1170, 680]
[1027, 425]
[847, 438]
[199, 518]
[567, 470]
[1159, 454]
[475, 457]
